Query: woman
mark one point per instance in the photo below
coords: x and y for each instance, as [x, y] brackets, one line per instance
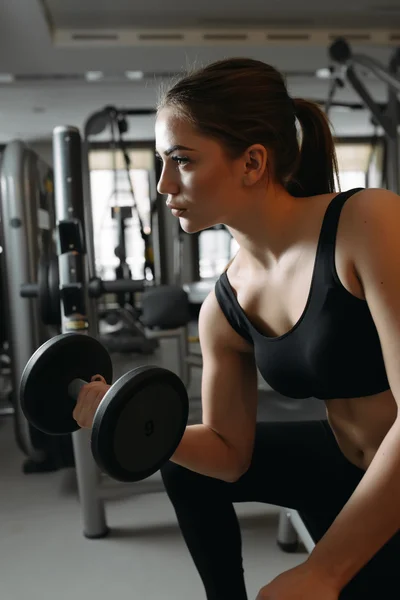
[311, 299]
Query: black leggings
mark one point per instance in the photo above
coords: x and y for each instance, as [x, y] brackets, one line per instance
[297, 465]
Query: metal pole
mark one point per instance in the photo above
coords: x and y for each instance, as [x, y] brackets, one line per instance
[87, 206]
[76, 314]
[89, 233]
[159, 227]
[385, 75]
[287, 537]
[365, 96]
[393, 153]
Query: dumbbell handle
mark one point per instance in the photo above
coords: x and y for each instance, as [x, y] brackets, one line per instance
[75, 387]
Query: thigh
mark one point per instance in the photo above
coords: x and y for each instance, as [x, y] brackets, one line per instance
[297, 465]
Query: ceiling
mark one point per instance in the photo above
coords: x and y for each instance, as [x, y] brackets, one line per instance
[153, 13]
[47, 47]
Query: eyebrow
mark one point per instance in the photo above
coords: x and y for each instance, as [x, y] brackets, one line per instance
[176, 147]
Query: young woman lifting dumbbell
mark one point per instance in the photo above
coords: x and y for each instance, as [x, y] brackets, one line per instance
[312, 300]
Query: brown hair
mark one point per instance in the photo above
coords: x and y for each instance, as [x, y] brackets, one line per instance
[242, 102]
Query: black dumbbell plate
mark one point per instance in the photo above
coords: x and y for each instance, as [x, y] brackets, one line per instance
[44, 385]
[139, 423]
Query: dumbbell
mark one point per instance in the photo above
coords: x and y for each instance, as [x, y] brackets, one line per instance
[139, 422]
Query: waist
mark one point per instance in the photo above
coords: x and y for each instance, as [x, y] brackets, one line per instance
[361, 424]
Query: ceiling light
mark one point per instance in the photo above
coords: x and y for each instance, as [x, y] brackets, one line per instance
[94, 75]
[6, 78]
[325, 73]
[134, 75]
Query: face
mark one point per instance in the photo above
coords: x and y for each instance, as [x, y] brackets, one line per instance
[197, 175]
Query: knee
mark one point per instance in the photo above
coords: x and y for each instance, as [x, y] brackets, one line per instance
[183, 484]
[175, 477]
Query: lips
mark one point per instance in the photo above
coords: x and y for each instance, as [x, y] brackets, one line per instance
[177, 212]
[175, 207]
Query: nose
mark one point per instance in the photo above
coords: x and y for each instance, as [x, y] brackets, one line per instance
[166, 185]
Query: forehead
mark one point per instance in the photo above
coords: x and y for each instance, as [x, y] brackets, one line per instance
[170, 127]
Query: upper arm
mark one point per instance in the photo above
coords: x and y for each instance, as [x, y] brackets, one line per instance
[229, 381]
[375, 218]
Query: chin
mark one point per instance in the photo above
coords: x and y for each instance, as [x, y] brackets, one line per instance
[192, 226]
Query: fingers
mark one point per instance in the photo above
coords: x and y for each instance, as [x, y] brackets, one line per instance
[89, 407]
[89, 399]
[98, 378]
[80, 407]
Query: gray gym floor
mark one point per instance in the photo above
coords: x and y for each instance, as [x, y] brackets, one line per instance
[43, 555]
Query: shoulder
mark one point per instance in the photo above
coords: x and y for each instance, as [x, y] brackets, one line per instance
[373, 202]
[372, 218]
[216, 329]
[371, 209]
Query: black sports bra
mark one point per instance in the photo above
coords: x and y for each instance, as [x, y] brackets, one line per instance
[333, 351]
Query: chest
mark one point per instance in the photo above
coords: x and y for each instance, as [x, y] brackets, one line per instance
[275, 302]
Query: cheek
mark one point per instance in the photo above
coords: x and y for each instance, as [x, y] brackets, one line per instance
[211, 185]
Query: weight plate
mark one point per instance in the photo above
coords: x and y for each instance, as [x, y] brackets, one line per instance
[54, 295]
[43, 291]
[44, 384]
[140, 423]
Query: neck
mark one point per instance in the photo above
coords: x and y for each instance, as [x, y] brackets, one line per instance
[274, 223]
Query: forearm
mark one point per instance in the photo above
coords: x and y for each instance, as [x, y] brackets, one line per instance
[368, 520]
[204, 451]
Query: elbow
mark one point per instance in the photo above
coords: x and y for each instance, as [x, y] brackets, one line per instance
[237, 473]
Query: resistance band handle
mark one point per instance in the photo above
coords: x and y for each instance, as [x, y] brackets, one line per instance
[75, 387]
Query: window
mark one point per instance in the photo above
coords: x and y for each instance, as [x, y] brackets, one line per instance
[215, 249]
[110, 188]
[357, 161]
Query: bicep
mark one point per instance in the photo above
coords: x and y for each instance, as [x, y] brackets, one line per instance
[229, 381]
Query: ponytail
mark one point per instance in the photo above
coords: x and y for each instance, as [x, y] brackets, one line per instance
[317, 164]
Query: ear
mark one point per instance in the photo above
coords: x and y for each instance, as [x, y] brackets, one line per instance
[255, 167]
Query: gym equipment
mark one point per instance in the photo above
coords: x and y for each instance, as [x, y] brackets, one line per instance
[130, 336]
[73, 235]
[341, 54]
[47, 289]
[291, 529]
[116, 119]
[165, 307]
[121, 214]
[137, 426]
[175, 254]
[27, 220]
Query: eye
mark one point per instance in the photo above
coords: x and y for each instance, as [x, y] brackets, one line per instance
[180, 160]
